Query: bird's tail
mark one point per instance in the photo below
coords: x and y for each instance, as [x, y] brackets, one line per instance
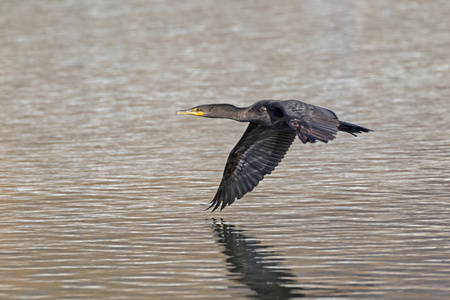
[352, 128]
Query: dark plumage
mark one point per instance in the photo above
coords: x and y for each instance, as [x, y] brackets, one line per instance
[272, 129]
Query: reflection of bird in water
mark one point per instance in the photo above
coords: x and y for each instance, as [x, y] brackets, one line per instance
[273, 127]
[258, 267]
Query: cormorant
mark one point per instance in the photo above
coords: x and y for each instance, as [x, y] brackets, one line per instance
[272, 129]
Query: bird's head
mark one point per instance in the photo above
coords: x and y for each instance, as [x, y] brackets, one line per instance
[196, 111]
[211, 111]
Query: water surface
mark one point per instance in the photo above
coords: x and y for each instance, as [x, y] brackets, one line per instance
[103, 188]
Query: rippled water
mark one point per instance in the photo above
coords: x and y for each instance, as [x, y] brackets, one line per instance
[103, 189]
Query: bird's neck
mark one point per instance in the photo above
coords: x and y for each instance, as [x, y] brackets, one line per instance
[228, 111]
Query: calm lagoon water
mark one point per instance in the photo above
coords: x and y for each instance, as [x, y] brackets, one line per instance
[103, 189]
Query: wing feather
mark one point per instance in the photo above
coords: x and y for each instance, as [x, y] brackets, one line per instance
[257, 154]
[312, 123]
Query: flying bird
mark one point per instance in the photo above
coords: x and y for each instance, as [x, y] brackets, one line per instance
[272, 129]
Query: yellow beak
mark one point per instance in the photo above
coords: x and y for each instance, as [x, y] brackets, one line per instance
[193, 112]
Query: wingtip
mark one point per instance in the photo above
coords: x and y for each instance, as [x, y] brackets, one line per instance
[214, 204]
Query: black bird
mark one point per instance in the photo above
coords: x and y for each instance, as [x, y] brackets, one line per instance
[272, 129]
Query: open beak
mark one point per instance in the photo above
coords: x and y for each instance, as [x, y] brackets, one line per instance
[193, 112]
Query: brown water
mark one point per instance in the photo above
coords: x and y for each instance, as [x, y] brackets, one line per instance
[103, 188]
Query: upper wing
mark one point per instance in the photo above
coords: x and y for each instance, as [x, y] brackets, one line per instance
[310, 122]
[256, 154]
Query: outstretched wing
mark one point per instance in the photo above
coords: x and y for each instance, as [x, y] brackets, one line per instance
[256, 154]
[310, 122]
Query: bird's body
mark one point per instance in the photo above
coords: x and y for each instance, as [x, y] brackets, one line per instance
[272, 129]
